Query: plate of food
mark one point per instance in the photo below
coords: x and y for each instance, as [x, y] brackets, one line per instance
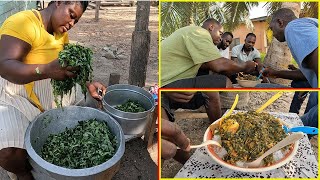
[244, 137]
[247, 80]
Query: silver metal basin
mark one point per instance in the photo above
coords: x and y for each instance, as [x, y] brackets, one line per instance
[131, 123]
[55, 121]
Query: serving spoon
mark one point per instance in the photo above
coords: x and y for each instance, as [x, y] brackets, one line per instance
[213, 142]
[270, 101]
[231, 109]
[304, 129]
[286, 141]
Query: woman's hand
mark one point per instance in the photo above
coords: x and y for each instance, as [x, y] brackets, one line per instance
[54, 70]
[94, 88]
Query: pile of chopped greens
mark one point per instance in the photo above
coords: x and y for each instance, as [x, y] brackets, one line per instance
[89, 144]
[131, 106]
[256, 133]
[247, 77]
[76, 56]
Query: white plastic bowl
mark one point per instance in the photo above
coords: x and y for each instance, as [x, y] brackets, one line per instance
[286, 158]
[248, 83]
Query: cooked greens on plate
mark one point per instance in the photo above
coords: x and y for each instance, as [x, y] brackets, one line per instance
[246, 136]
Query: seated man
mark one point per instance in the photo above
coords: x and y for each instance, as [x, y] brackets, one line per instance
[301, 35]
[246, 52]
[223, 46]
[192, 100]
[185, 100]
[192, 47]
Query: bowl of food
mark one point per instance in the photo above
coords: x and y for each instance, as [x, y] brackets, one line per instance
[247, 80]
[244, 137]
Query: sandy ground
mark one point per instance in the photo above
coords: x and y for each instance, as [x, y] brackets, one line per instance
[115, 28]
[195, 128]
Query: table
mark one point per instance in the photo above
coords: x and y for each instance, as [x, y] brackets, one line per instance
[304, 164]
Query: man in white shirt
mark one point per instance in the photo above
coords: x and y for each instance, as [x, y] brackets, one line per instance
[224, 44]
[246, 52]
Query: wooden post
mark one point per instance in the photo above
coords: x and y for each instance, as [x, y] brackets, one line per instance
[97, 10]
[114, 78]
[140, 45]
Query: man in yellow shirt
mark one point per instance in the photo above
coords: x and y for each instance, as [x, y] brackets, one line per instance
[29, 46]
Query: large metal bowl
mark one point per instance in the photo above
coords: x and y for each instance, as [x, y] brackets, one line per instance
[55, 121]
[131, 123]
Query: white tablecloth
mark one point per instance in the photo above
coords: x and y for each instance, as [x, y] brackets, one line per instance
[303, 164]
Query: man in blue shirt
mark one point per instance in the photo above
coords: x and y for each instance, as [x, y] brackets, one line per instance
[301, 34]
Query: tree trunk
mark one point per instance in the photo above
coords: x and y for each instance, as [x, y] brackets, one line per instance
[140, 45]
[279, 56]
[97, 10]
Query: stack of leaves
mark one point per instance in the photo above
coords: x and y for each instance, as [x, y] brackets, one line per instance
[76, 56]
[131, 106]
[89, 144]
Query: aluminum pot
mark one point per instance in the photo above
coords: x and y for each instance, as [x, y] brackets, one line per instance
[55, 121]
[131, 123]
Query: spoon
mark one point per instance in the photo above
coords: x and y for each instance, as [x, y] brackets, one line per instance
[260, 74]
[231, 109]
[304, 129]
[208, 142]
[286, 141]
[270, 101]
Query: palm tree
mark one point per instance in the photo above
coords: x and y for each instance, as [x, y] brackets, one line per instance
[175, 15]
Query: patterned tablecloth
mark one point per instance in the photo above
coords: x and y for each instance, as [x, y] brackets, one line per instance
[303, 164]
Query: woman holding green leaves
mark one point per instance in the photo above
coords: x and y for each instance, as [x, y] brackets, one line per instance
[30, 42]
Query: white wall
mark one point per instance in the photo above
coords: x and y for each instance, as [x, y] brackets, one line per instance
[7, 8]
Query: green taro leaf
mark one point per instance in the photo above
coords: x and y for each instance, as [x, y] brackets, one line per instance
[77, 56]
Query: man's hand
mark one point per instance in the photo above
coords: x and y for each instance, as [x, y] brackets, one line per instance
[93, 89]
[292, 67]
[171, 138]
[250, 67]
[269, 72]
[182, 97]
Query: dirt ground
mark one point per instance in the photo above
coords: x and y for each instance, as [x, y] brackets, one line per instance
[115, 28]
[195, 128]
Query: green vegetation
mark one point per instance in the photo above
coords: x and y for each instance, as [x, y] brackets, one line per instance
[76, 56]
[131, 106]
[88, 144]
